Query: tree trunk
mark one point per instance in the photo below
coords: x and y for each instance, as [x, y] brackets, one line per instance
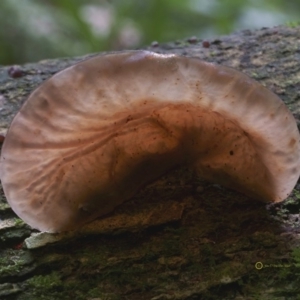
[180, 237]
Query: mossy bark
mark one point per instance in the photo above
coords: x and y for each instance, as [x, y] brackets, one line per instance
[179, 238]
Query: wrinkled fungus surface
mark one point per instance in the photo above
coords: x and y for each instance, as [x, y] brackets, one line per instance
[89, 137]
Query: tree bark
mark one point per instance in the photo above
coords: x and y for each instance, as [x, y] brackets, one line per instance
[179, 237]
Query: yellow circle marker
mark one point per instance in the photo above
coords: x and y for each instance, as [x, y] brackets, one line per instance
[259, 265]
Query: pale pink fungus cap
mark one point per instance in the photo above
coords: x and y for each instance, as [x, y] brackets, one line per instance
[91, 135]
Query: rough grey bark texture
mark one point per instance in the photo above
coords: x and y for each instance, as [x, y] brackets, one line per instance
[179, 238]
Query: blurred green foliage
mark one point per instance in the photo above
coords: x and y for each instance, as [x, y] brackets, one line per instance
[31, 30]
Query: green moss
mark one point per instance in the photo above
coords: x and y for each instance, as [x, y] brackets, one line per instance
[46, 282]
[297, 194]
[4, 207]
[19, 223]
[296, 256]
[10, 270]
[51, 286]
[12, 262]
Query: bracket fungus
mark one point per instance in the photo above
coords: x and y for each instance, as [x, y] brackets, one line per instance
[89, 137]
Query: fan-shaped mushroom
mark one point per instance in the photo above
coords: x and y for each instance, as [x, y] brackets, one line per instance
[91, 135]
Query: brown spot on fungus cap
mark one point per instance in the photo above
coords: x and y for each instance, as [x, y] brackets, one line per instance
[91, 135]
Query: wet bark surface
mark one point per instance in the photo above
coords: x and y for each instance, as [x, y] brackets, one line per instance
[179, 237]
